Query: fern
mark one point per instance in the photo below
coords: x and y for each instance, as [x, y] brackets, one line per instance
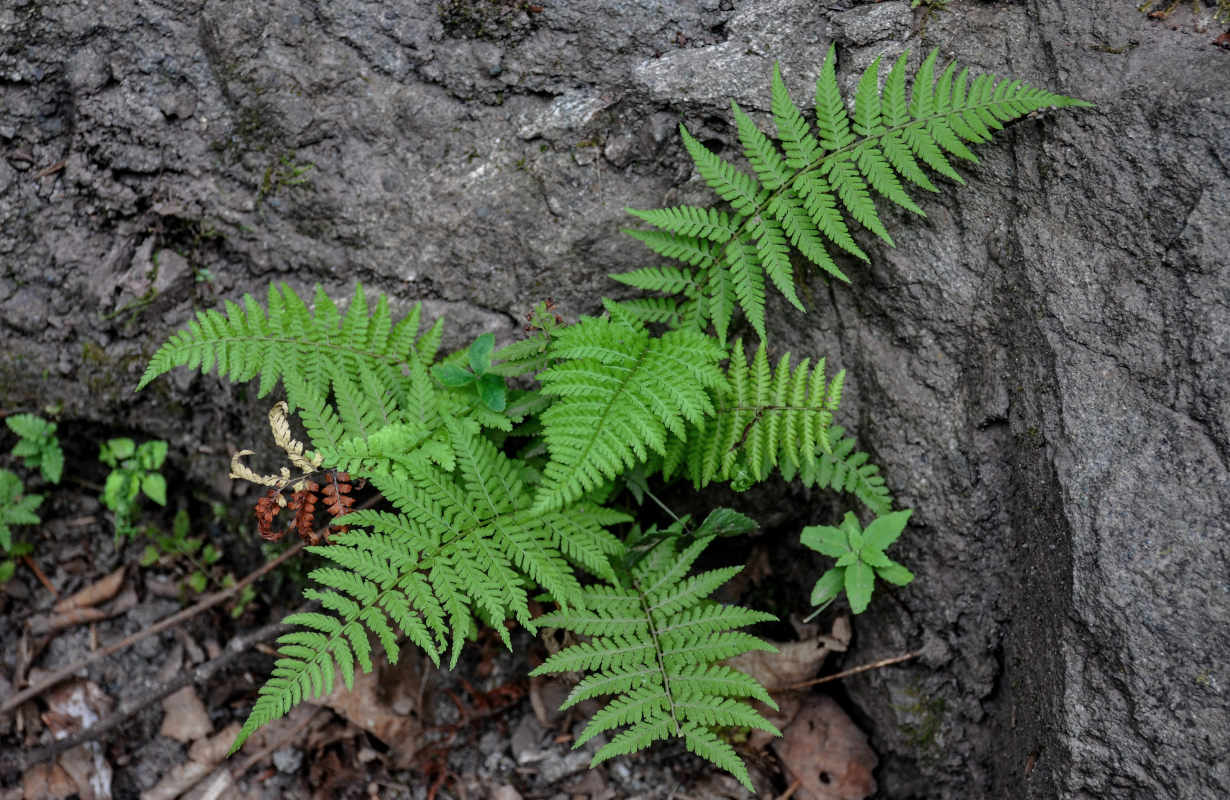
[462, 544]
[844, 469]
[38, 445]
[801, 194]
[620, 395]
[495, 494]
[655, 645]
[765, 417]
[293, 339]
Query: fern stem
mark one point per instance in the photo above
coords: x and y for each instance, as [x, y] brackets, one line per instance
[661, 505]
[657, 651]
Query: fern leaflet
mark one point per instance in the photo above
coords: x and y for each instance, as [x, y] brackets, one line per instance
[293, 339]
[798, 194]
[765, 418]
[620, 395]
[655, 645]
[844, 469]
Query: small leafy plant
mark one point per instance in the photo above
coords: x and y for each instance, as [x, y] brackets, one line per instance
[16, 508]
[860, 558]
[134, 471]
[38, 445]
[499, 492]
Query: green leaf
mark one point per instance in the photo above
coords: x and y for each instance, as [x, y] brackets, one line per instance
[151, 454]
[480, 353]
[725, 522]
[885, 529]
[197, 581]
[895, 573]
[492, 390]
[453, 376]
[825, 539]
[155, 488]
[119, 449]
[148, 556]
[859, 583]
[829, 586]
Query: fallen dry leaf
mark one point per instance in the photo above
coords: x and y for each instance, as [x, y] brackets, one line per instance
[47, 782]
[382, 703]
[546, 696]
[49, 623]
[72, 707]
[94, 594]
[203, 758]
[793, 662]
[185, 718]
[827, 753]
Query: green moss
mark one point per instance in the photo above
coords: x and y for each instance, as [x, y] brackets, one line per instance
[925, 718]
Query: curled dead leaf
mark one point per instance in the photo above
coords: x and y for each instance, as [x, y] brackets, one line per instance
[98, 592]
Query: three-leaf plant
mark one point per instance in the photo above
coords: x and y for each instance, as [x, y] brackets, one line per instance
[497, 494]
[134, 471]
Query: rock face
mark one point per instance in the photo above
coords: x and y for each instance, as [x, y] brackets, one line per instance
[1040, 366]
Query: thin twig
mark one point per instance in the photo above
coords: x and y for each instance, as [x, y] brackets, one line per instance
[42, 578]
[204, 604]
[790, 790]
[22, 761]
[886, 662]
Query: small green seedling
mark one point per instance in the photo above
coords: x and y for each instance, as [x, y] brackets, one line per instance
[860, 558]
[16, 508]
[490, 386]
[38, 445]
[134, 470]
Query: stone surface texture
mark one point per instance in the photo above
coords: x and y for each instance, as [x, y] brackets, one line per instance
[1040, 366]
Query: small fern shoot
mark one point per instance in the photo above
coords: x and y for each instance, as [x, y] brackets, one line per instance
[655, 645]
[801, 195]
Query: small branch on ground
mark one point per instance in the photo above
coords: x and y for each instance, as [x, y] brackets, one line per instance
[886, 662]
[240, 644]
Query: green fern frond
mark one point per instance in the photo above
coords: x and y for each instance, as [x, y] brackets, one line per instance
[654, 645]
[844, 469]
[462, 543]
[293, 339]
[766, 418]
[620, 395]
[804, 192]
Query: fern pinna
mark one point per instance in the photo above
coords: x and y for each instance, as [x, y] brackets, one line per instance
[655, 645]
[798, 193]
